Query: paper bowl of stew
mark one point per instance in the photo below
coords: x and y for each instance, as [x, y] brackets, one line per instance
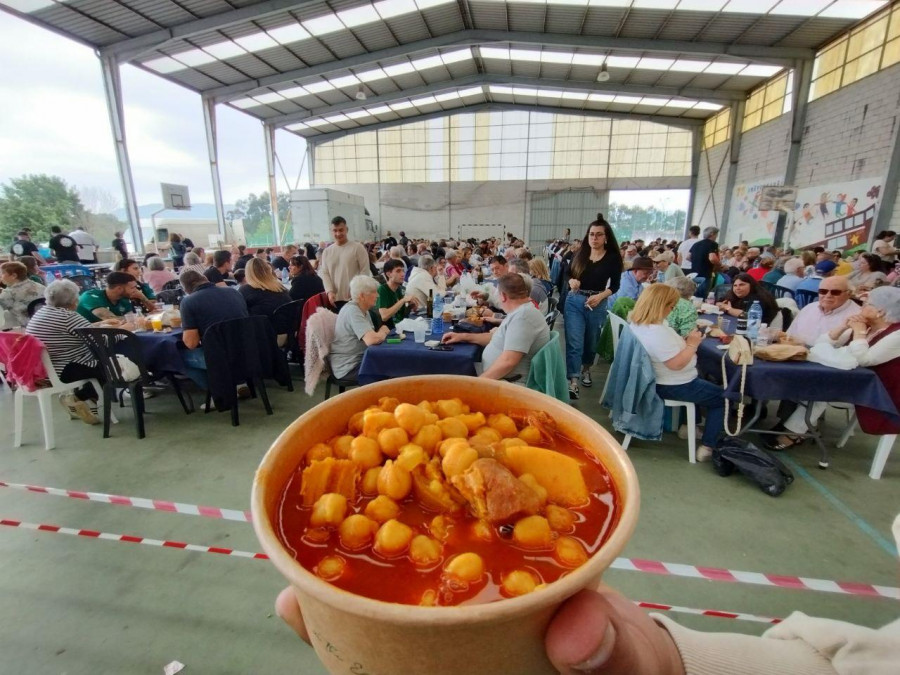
[435, 524]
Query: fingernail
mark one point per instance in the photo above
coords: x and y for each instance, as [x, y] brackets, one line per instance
[599, 658]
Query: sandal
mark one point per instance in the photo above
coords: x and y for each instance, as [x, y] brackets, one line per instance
[785, 442]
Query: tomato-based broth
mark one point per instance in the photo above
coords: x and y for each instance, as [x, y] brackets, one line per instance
[463, 508]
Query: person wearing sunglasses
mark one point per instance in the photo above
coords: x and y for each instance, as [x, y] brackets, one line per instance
[872, 336]
[833, 309]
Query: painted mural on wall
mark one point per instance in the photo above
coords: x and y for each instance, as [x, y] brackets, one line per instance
[836, 216]
[746, 221]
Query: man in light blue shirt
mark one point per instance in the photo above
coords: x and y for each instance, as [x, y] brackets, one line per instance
[824, 268]
[633, 280]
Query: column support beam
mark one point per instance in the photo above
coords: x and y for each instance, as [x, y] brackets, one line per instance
[734, 157]
[799, 104]
[212, 148]
[269, 133]
[696, 145]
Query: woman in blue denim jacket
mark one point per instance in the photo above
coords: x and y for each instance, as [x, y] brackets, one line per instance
[594, 276]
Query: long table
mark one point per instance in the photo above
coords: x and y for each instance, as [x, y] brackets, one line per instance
[162, 351]
[386, 361]
[797, 381]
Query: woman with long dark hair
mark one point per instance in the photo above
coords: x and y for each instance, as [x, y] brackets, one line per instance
[594, 275]
[305, 283]
[744, 290]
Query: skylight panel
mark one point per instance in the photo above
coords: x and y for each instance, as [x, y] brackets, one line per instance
[622, 61]
[724, 68]
[524, 91]
[27, 6]
[494, 53]
[702, 5]
[705, 105]
[399, 69]
[601, 98]
[316, 122]
[471, 91]
[318, 87]
[166, 64]
[358, 114]
[358, 16]
[270, 97]
[654, 64]
[564, 58]
[610, 3]
[627, 99]
[760, 71]
[244, 103]
[195, 57]
[689, 66]
[288, 34]
[297, 126]
[524, 55]
[294, 92]
[853, 9]
[456, 56]
[390, 8]
[423, 101]
[378, 110]
[749, 6]
[656, 102]
[428, 62]
[334, 119]
[588, 59]
[372, 75]
[256, 42]
[655, 4]
[345, 81]
[225, 50]
[574, 95]
[498, 89]
[447, 96]
[400, 105]
[676, 103]
[427, 4]
[578, 3]
[549, 93]
[800, 7]
[323, 25]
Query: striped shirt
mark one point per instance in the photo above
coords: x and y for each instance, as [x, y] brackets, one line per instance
[53, 326]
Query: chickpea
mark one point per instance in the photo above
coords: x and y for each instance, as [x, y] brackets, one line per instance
[531, 482]
[533, 532]
[365, 452]
[317, 452]
[508, 442]
[531, 435]
[331, 568]
[445, 445]
[341, 446]
[411, 456]
[317, 535]
[369, 484]
[467, 567]
[424, 550]
[355, 425]
[393, 538]
[391, 440]
[452, 427]
[569, 552]
[382, 509]
[458, 459]
[449, 408]
[482, 529]
[388, 403]
[427, 406]
[357, 531]
[503, 424]
[473, 421]
[428, 437]
[394, 481]
[489, 434]
[440, 527]
[375, 419]
[560, 519]
[411, 418]
[519, 582]
[429, 598]
[329, 510]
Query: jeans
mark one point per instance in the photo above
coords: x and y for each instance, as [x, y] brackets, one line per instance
[583, 327]
[195, 360]
[704, 394]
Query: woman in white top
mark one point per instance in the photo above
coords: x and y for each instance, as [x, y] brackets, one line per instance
[674, 361]
[860, 333]
[883, 246]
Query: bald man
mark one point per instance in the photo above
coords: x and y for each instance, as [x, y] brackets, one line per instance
[832, 310]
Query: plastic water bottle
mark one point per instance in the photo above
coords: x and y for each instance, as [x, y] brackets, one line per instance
[711, 298]
[285, 275]
[437, 317]
[762, 339]
[754, 319]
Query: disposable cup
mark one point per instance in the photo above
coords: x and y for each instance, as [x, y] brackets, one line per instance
[353, 634]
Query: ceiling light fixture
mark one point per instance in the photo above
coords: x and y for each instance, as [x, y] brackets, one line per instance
[603, 76]
[360, 94]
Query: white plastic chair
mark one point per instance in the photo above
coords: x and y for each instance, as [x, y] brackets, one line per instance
[882, 450]
[691, 412]
[44, 396]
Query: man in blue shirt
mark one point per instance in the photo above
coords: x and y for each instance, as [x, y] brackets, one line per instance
[824, 268]
[204, 305]
[632, 280]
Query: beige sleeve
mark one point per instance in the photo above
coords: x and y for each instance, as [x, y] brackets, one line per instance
[735, 654]
[325, 271]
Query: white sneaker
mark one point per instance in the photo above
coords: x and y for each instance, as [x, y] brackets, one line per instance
[704, 453]
[683, 432]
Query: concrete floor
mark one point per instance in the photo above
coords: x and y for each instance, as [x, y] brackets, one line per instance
[75, 605]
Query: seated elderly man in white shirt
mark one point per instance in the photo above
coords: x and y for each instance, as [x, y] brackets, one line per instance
[832, 310]
[794, 273]
[508, 349]
[422, 280]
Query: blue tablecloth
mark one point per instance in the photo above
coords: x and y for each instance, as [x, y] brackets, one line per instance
[67, 269]
[386, 361]
[162, 351]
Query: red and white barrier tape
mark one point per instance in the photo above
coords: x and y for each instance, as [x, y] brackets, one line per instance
[161, 543]
[138, 502]
[627, 564]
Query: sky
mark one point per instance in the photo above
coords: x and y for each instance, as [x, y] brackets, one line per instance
[54, 121]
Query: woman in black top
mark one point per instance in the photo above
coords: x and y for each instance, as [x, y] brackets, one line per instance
[305, 283]
[744, 291]
[263, 291]
[594, 275]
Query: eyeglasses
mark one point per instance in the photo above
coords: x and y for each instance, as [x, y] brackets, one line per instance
[831, 291]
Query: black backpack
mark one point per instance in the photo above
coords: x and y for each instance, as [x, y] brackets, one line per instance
[760, 466]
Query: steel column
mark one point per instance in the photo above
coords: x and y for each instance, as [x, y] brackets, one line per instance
[112, 86]
[799, 104]
[734, 156]
[269, 134]
[889, 191]
[696, 145]
[212, 147]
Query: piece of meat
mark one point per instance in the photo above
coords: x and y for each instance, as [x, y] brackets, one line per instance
[494, 493]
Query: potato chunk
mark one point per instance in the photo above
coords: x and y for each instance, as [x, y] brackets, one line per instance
[382, 509]
[424, 550]
[533, 532]
[467, 567]
[393, 538]
[559, 474]
[357, 531]
[519, 582]
[329, 510]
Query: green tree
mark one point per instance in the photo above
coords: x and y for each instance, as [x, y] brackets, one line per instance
[37, 201]
[256, 212]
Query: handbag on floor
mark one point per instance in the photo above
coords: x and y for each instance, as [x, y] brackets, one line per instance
[760, 466]
[740, 353]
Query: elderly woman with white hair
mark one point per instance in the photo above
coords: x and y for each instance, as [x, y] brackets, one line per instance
[683, 318]
[157, 275]
[54, 325]
[192, 261]
[423, 281]
[355, 330]
[873, 338]
[794, 273]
